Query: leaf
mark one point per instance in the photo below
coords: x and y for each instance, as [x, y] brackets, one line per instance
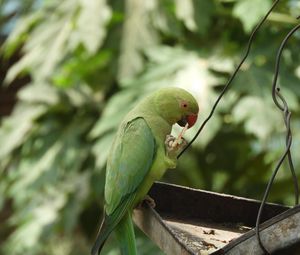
[49, 39]
[84, 69]
[77, 186]
[115, 110]
[26, 236]
[19, 34]
[289, 81]
[91, 24]
[250, 12]
[79, 96]
[294, 7]
[39, 168]
[101, 150]
[260, 118]
[185, 11]
[164, 19]
[15, 129]
[220, 63]
[39, 93]
[254, 80]
[203, 11]
[196, 15]
[138, 34]
[72, 24]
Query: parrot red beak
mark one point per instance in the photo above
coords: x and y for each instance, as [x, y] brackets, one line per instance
[190, 119]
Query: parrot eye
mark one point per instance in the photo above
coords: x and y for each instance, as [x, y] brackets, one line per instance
[184, 105]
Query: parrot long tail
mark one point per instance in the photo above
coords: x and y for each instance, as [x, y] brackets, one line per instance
[103, 234]
[110, 222]
[126, 236]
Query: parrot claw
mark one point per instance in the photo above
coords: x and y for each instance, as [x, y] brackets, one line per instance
[149, 200]
[173, 148]
[169, 142]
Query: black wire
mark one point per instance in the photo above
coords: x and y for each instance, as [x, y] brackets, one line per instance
[266, 196]
[288, 145]
[231, 78]
[279, 53]
[287, 118]
[284, 108]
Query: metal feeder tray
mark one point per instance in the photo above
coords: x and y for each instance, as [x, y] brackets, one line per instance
[187, 221]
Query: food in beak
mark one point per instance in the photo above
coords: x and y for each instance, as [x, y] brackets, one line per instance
[179, 138]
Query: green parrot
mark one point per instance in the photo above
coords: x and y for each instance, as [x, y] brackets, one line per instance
[141, 153]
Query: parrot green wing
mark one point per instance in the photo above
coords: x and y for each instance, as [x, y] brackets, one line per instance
[130, 160]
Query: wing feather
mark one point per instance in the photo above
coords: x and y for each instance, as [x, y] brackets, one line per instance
[131, 158]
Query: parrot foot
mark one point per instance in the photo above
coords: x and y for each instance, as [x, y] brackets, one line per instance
[170, 142]
[150, 201]
[173, 147]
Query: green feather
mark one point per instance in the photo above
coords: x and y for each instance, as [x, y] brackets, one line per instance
[125, 235]
[126, 170]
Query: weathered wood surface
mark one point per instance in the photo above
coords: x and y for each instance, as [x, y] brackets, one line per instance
[189, 221]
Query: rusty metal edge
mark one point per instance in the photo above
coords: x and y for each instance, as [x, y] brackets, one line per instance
[218, 194]
[265, 230]
[148, 211]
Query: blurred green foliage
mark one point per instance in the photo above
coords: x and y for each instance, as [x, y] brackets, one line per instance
[91, 61]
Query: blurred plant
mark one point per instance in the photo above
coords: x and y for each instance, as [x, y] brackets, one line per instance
[90, 62]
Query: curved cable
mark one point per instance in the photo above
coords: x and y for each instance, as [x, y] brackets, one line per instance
[231, 78]
[283, 106]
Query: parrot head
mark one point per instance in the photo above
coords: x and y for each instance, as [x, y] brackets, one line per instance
[176, 105]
